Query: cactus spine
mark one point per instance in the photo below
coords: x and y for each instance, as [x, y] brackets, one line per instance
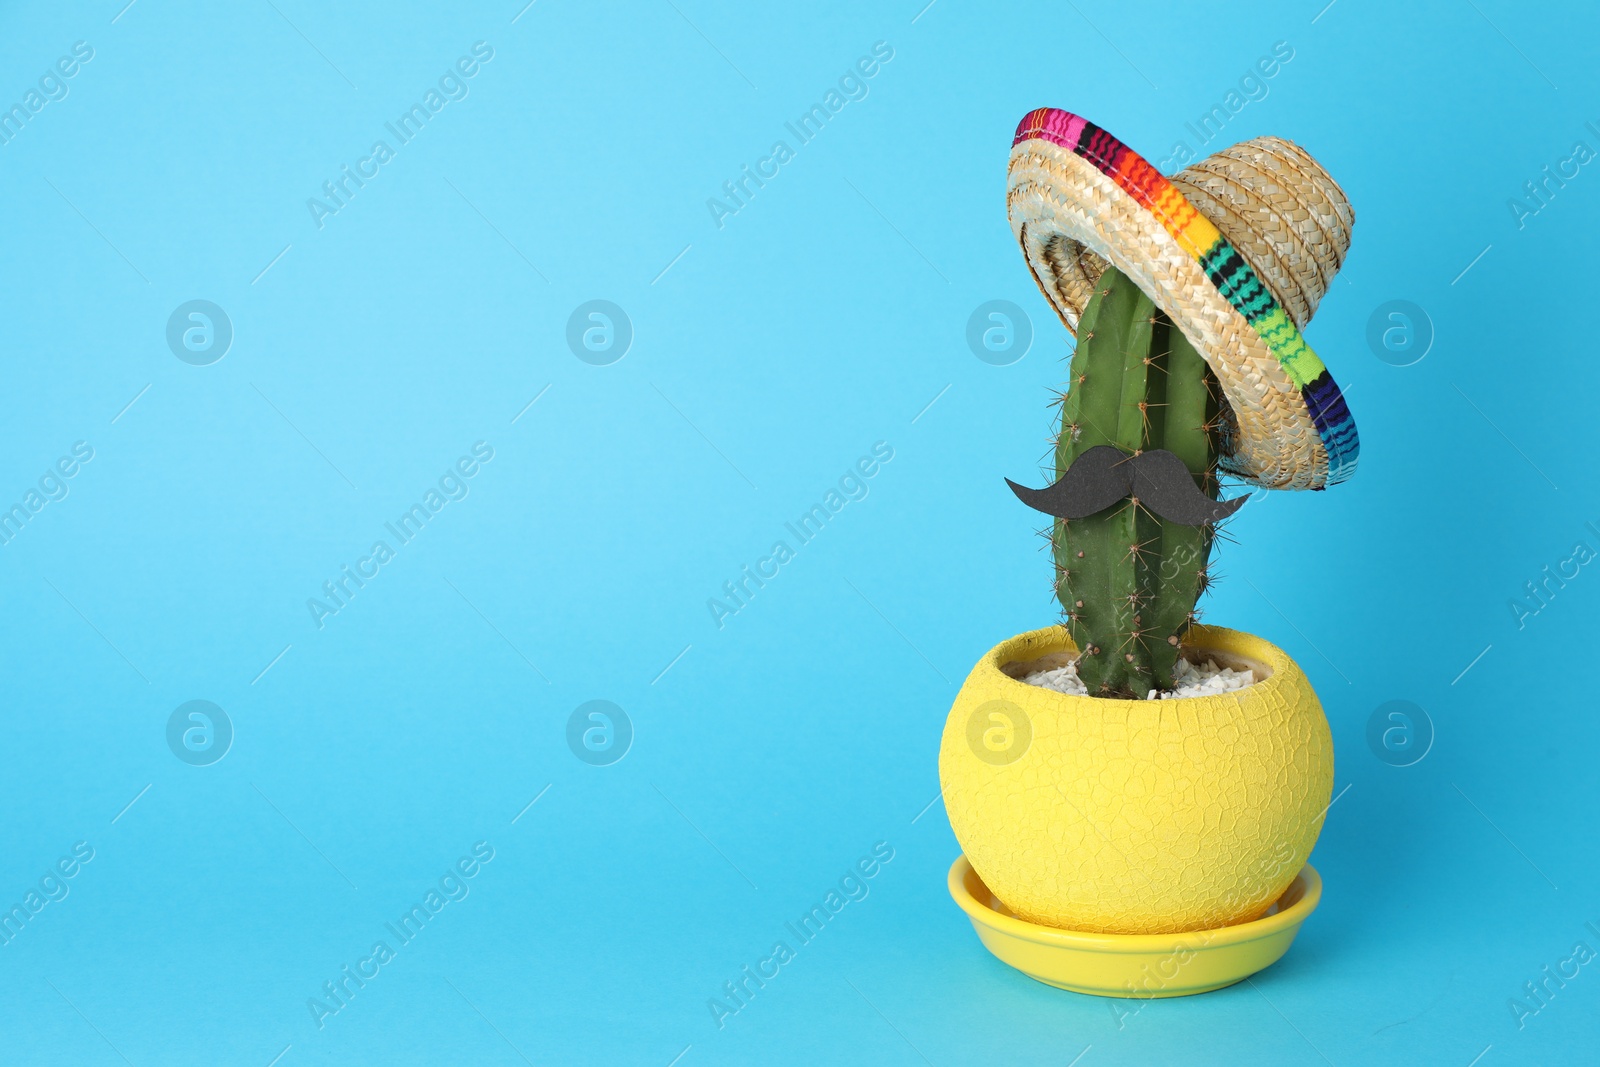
[1128, 579]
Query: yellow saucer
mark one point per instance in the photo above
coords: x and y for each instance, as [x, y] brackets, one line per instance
[1135, 965]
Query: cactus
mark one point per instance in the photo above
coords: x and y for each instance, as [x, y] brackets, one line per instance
[1127, 578]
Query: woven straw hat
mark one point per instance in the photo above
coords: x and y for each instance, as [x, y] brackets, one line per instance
[1238, 250]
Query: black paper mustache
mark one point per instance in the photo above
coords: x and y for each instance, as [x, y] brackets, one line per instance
[1105, 474]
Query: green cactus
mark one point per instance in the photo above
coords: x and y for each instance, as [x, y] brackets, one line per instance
[1128, 579]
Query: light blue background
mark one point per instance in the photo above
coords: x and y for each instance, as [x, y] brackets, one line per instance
[768, 356]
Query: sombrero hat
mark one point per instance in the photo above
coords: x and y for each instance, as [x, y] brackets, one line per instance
[1237, 250]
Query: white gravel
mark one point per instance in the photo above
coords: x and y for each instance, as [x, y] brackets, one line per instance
[1205, 679]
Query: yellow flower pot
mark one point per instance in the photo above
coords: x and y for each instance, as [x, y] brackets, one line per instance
[1134, 816]
[1135, 966]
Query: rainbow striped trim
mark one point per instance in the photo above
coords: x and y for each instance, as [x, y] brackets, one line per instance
[1223, 265]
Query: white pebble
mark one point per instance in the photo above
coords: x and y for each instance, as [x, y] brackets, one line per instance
[1190, 680]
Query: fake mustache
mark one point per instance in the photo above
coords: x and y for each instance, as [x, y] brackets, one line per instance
[1104, 474]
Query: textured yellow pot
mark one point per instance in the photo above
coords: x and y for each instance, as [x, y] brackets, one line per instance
[1134, 816]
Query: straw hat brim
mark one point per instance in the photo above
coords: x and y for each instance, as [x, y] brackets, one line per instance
[1072, 184]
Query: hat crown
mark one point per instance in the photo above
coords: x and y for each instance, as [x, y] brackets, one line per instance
[1282, 211]
[1237, 251]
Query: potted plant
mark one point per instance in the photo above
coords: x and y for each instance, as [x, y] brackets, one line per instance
[1129, 786]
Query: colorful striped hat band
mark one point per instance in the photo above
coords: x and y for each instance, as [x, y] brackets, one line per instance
[1237, 249]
